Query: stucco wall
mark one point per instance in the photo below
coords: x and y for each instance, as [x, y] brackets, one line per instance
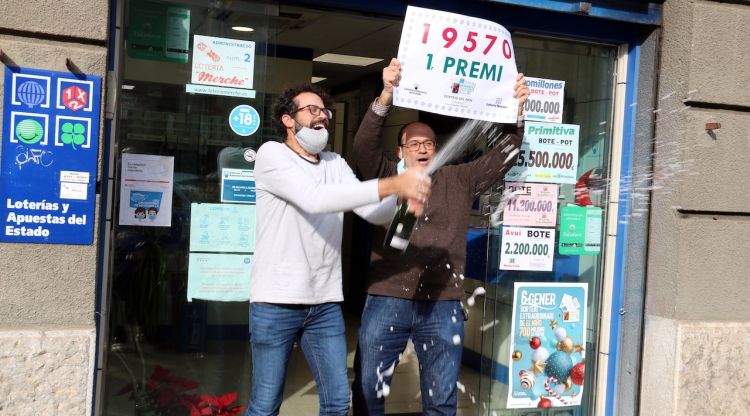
[48, 291]
[51, 285]
[82, 19]
[697, 314]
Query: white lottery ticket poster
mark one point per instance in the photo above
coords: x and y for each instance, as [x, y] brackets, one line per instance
[457, 66]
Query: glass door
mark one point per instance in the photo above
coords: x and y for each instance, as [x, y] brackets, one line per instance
[192, 112]
[589, 73]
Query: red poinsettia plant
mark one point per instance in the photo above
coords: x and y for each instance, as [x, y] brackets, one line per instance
[216, 405]
[166, 394]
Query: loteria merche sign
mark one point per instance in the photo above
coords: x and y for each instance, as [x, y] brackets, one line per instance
[223, 62]
[210, 78]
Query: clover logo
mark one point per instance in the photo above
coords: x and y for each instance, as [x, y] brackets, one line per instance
[73, 134]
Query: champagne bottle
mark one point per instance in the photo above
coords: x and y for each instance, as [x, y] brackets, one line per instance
[402, 225]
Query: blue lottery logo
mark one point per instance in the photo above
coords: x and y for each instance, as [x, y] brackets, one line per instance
[244, 120]
[29, 131]
[31, 93]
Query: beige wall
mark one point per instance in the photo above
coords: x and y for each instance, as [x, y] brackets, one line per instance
[48, 292]
[697, 318]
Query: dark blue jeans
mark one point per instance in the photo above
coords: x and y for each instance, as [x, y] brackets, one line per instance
[437, 330]
[320, 329]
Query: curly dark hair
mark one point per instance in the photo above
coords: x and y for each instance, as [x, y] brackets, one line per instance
[285, 103]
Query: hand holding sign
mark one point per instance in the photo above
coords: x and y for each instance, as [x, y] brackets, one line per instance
[456, 65]
[391, 77]
[521, 92]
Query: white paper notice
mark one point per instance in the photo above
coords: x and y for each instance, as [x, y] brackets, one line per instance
[146, 190]
[73, 190]
[74, 185]
[527, 249]
[219, 277]
[73, 176]
[456, 65]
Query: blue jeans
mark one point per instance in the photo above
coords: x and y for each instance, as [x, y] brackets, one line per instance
[387, 324]
[320, 328]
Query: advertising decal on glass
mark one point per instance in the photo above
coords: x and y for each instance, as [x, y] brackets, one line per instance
[580, 230]
[547, 365]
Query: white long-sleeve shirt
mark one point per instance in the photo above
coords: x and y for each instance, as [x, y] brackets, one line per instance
[299, 224]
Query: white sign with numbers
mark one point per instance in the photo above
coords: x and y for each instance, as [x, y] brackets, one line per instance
[456, 65]
[549, 154]
[527, 249]
[545, 101]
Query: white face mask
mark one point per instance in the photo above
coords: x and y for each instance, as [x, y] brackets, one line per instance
[313, 141]
[401, 167]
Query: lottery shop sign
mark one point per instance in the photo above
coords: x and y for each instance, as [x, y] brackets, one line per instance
[50, 144]
[456, 65]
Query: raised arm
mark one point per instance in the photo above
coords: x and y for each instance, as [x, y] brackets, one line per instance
[368, 142]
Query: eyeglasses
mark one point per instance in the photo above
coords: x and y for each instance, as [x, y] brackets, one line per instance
[315, 111]
[414, 145]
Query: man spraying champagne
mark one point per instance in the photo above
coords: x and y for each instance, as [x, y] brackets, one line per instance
[416, 293]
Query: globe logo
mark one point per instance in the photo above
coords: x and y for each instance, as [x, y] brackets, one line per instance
[31, 93]
[29, 131]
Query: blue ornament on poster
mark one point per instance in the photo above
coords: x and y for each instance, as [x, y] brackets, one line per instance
[558, 365]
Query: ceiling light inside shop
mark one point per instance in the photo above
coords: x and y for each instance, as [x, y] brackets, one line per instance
[127, 87]
[317, 79]
[334, 58]
[242, 28]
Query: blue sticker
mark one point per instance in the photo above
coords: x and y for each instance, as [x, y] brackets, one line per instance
[244, 120]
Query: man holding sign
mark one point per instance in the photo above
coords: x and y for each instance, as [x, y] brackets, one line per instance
[456, 65]
[416, 294]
